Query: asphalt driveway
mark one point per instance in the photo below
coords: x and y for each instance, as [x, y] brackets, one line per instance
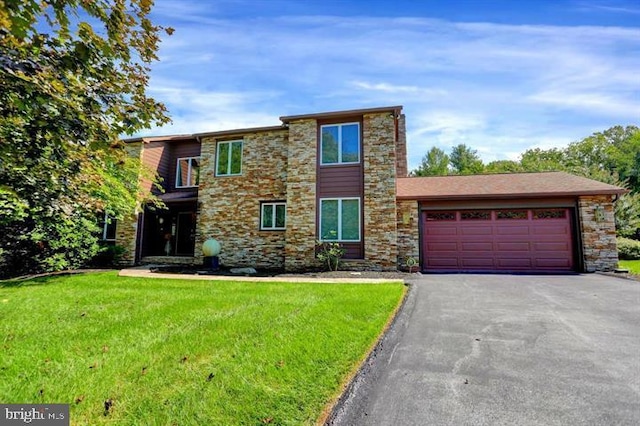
[507, 350]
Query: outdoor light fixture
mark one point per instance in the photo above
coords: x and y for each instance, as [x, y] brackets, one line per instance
[598, 214]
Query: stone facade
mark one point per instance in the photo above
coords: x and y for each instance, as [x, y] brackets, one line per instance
[401, 148]
[301, 195]
[379, 155]
[408, 233]
[598, 233]
[229, 206]
[127, 227]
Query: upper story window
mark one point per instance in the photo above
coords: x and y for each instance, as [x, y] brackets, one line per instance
[273, 216]
[188, 172]
[340, 143]
[229, 158]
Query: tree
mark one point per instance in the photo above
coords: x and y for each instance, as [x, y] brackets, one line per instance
[611, 156]
[465, 161]
[434, 163]
[503, 166]
[73, 77]
[540, 160]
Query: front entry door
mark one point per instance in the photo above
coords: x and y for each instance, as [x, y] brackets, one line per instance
[185, 234]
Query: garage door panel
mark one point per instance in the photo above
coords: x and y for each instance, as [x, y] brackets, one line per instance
[515, 263]
[442, 262]
[551, 230]
[442, 230]
[535, 243]
[508, 246]
[442, 246]
[476, 246]
[475, 230]
[479, 262]
[512, 230]
[553, 263]
[560, 246]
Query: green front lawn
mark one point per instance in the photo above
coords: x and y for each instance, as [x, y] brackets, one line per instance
[185, 352]
[632, 265]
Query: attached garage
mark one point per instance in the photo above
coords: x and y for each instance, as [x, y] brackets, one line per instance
[498, 240]
[522, 222]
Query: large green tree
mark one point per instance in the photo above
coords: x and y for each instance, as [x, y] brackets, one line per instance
[73, 78]
[434, 163]
[611, 156]
[465, 161]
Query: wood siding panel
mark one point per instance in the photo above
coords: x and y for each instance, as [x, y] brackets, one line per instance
[157, 157]
[340, 181]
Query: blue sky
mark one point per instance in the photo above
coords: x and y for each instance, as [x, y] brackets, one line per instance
[501, 76]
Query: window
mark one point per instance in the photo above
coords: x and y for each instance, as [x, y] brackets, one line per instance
[188, 172]
[340, 219]
[107, 226]
[550, 214]
[229, 157]
[440, 216]
[511, 214]
[475, 215]
[273, 216]
[340, 143]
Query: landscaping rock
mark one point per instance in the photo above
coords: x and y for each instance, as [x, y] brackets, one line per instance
[242, 271]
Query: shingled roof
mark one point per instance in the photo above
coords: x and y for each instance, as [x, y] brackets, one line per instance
[494, 186]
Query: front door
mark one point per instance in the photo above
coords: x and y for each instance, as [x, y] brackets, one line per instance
[170, 232]
[185, 234]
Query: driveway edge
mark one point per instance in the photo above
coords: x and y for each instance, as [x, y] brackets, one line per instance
[370, 368]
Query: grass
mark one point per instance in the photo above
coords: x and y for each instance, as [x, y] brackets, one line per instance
[632, 265]
[169, 352]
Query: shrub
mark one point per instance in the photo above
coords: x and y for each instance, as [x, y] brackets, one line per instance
[628, 249]
[108, 256]
[329, 253]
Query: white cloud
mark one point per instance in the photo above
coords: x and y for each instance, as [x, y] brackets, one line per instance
[498, 88]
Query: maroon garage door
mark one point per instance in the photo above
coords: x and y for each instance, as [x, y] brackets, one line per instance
[497, 240]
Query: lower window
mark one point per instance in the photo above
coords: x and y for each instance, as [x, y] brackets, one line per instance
[340, 219]
[107, 226]
[273, 216]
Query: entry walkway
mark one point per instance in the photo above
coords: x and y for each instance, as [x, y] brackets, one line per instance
[145, 272]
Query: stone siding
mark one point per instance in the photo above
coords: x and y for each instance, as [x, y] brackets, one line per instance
[127, 227]
[229, 206]
[408, 233]
[301, 195]
[379, 157]
[401, 148]
[598, 232]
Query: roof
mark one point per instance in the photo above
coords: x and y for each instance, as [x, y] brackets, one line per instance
[334, 114]
[509, 185]
[147, 139]
[240, 131]
[179, 196]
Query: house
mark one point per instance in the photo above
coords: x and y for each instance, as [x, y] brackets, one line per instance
[267, 194]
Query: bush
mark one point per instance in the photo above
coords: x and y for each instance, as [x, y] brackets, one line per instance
[108, 256]
[329, 253]
[628, 249]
